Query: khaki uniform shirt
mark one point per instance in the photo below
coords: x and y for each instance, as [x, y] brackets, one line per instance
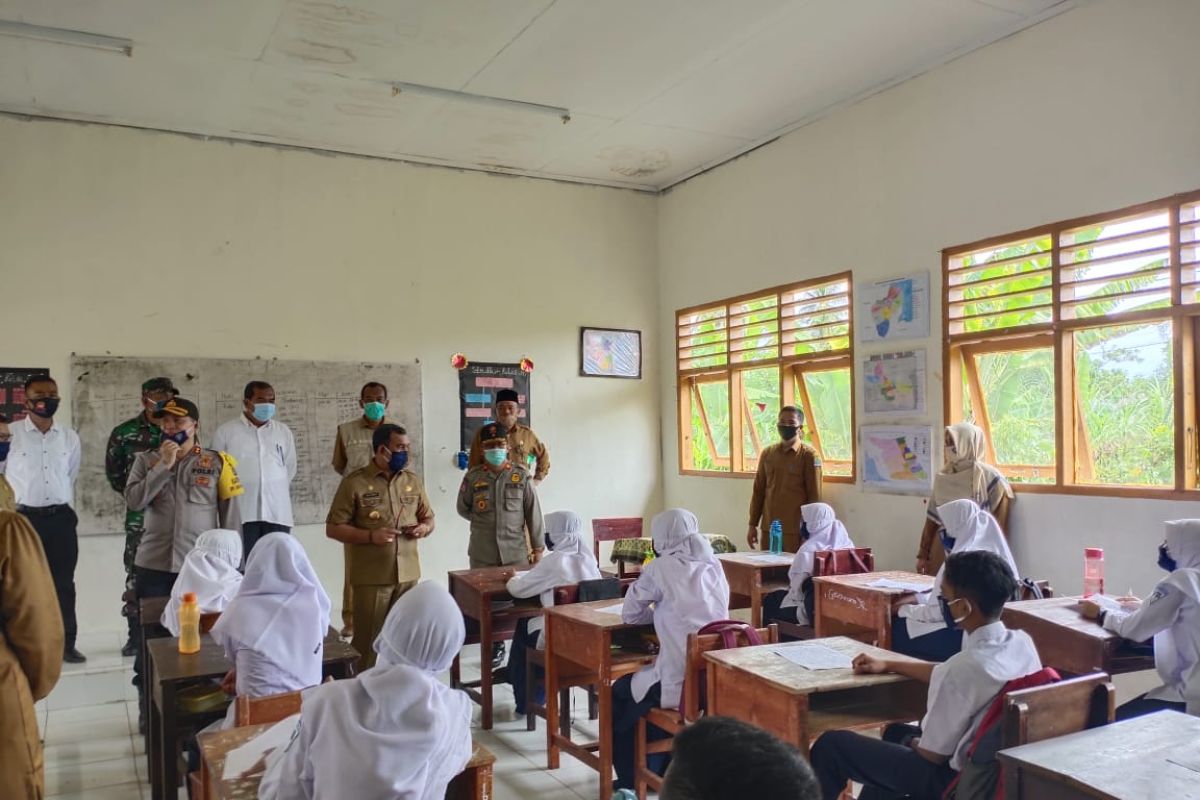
[352, 448]
[524, 448]
[194, 496]
[8, 501]
[788, 477]
[367, 499]
[500, 506]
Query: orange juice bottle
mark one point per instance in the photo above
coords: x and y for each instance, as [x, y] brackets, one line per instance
[189, 624]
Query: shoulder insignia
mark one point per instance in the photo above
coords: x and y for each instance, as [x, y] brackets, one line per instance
[516, 478]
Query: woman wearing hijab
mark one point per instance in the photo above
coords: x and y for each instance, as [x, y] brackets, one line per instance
[680, 591]
[569, 561]
[1172, 616]
[820, 529]
[922, 630]
[274, 630]
[966, 476]
[395, 731]
[211, 571]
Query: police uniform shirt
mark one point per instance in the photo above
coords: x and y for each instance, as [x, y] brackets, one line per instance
[499, 505]
[367, 499]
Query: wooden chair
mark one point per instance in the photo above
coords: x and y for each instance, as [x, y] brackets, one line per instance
[475, 781]
[675, 720]
[849, 561]
[1056, 709]
[272, 708]
[1043, 587]
[612, 529]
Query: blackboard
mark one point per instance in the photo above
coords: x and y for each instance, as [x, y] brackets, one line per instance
[12, 389]
[477, 387]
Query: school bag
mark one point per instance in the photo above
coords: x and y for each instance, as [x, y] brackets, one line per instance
[728, 630]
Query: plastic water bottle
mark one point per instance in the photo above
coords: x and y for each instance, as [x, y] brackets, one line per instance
[776, 537]
[1093, 571]
[189, 624]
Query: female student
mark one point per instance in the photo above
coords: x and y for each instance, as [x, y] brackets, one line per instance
[966, 476]
[681, 590]
[395, 731]
[274, 630]
[923, 630]
[568, 562]
[820, 530]
[211, 571]
[1172, 616]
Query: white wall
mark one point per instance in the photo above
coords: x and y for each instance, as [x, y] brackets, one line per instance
[136, 243]
[1093, 110]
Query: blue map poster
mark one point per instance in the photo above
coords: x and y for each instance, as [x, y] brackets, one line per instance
[893, 309]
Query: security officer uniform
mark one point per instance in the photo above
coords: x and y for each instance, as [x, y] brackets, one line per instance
[500, 504]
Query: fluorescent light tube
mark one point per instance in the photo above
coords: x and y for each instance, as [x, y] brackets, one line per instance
[481, 99]
[62, 36]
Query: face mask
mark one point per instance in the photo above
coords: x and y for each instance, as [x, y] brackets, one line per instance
[4, 448]
[374, 411]
[264, 412]
[496, 457]
[787, 432]
[45, 408]
[398, 461]
[804, 531]
[179, 437]
[1164, 559]
[948, 615]
[549, 543]
[947, 540]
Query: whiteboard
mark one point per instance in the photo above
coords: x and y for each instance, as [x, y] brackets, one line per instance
[313, 398]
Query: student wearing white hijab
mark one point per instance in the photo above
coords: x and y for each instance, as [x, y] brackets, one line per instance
[680, 591]
[922, 630]
[966, 476]
[211, 571]
[395, 731]
[274, 630]
[568, 561]
[1172, 616]
[820, 530]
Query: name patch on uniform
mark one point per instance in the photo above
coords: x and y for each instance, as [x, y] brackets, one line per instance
[203, 480]
[371, 499]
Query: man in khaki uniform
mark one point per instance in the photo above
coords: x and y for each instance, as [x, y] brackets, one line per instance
[500, 501]
[31, 654]
[352, 450]
[379, 513]
[524, 447]
[789, 475]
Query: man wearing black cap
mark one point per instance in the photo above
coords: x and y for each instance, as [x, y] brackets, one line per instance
[131, 437]
[524, 447]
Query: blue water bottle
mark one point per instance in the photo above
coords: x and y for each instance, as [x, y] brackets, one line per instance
[776, 537]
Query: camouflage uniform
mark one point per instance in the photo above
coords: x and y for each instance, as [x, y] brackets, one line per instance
[131, 437]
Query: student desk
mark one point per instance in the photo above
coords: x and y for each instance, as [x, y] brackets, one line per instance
[168, 671]
[150, 610]
[1130, 760]
[473, 783]
[1070, 643]
[579, 642]
[481, 595]
[846, 604]
[758, 686]
[751, 575]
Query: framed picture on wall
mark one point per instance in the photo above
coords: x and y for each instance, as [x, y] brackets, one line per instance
[610, 353]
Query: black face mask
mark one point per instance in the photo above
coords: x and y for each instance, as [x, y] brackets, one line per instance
[45, 407]
[948, 615]
[787, 432]
[1164, 559]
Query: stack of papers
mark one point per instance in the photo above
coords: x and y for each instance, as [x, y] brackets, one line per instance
[243, 760]
[613, 609]
[773, 558]
[902, 586]
[815, 656]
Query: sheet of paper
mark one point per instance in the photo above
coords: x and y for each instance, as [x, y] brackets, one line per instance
[773, 558]
[815, 656]
[903, 586]
[1105, 602]
[243, 759]
[613, 609]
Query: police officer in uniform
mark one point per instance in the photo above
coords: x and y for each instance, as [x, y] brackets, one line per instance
[524, 447]
[131, 437]
[380, 511]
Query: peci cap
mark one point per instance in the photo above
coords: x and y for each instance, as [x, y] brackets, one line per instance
[492, 432]
[160, 385]
[178, 407]
[507, 395]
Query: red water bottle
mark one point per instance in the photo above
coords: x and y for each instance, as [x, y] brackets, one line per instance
[1093, 571]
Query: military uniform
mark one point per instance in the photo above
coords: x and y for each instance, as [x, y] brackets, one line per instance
[500, 506]
[379, 573]
[524, 448]
[789, 476]
[131, 437]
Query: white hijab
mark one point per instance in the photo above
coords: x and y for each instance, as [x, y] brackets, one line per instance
[825, 532]
[676, 531]
[966, 474]
[1176, 647]
[211, 571]
[568, 563]
[281, 611]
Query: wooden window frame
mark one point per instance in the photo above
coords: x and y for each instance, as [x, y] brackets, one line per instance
[1059, 333]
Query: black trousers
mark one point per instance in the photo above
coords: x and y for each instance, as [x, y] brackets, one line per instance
[936, 646]
[56, 529]
[887, 768]
[1141, 705]
[149, 583]
[253, 531]
[626, 713]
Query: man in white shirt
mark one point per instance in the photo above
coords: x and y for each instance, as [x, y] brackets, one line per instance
[42, 465]
[921, 762]
[265, 452]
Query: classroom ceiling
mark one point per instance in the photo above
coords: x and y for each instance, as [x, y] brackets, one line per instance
[658, 90]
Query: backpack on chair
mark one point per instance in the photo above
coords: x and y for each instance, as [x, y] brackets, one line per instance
[728, 629]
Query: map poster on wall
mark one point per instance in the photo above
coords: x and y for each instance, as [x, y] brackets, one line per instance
[12, 389]
[897, 458]
[893, 309]
[477, 387]
[894, 383]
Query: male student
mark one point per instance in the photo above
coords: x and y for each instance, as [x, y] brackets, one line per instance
[789, 475]
[921, 762]
[265, 451]
[524, 447]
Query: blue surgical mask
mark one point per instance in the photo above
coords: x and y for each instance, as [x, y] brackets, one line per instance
[178, 437]
[398, 461]
[4, 448]
[1164, 559]
[264, 412]
[495, 457]
[947, 540]
[374, 411]
[948, 615]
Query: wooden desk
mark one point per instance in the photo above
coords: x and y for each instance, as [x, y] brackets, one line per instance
[761, 687]
[1070, 643]
[579, 642]
[475, 591]
[150, 610]
[168, 671]
[750, 576]
[847, 605]
[1122, 761]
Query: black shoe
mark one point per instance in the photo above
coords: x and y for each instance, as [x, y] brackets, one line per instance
[130, 649]
[497, 654]
[73, 656]
[500, 675]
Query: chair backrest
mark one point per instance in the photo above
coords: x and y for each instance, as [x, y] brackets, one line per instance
[1056, 709]
[272, 708]
[612, 528]
[691, 704]
[1034, 590]
[850, 561]
[600, 589]
[208, 620]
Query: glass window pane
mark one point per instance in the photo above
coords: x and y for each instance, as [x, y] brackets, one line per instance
[1125, 396]
[829, 394]
[760, 389]
[714, 397]
[1018, 389]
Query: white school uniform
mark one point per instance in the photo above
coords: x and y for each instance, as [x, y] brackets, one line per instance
[825, 532]
[681, 590]
[568, 563]
[962, 687]
[211, 572]
[1172, 616]
[972, 528]
[395, 731]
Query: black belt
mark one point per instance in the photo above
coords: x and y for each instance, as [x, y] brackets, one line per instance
[41, 511]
